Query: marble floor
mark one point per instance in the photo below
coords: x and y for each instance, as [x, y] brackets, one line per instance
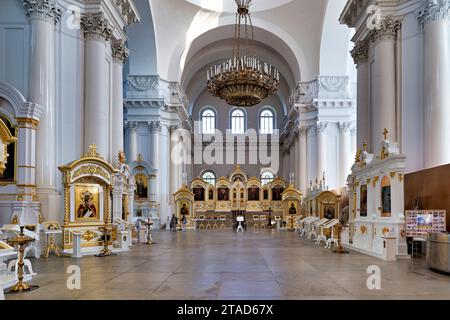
[224, 265]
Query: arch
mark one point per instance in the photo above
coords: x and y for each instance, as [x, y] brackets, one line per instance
[335, 58]
[18, 105]
[209, 176]
[222, 27]
[267, 176]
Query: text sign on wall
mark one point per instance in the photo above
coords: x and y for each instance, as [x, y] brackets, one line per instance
[421, 222]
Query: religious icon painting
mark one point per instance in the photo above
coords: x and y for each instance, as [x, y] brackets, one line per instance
[363, 201]
[87, 202]
[385, 197]
[292, 208]
[141, 191]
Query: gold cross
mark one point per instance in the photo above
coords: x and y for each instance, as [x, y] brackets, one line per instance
[93, 148]
[385, 133]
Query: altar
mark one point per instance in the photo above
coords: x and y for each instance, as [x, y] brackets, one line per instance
[377, 201]
[262, 205]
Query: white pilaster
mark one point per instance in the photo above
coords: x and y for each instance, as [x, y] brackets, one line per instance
[96, 112]
[436, 24]
[321, 149]
[345, 155]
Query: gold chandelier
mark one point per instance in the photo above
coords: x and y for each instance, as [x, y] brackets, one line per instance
[243, 80]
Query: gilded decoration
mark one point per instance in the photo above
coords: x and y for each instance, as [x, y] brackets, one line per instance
[363, 229]
[5, 139]
[88, 183]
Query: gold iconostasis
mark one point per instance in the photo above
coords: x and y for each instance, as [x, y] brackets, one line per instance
[238, 195]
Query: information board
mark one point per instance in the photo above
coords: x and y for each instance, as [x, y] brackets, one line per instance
[421, 222]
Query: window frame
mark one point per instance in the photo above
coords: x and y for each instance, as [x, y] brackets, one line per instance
[213, 117]
[260, 119]
[244, 120]
[208, 179]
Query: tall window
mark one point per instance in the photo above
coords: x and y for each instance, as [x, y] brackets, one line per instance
[208, 121]
[209, 177]
[266, 122]
[237, 122]
[266, 177]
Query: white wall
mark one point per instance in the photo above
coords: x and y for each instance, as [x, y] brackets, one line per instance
[412, 130]
[14, 45]
[141, 42]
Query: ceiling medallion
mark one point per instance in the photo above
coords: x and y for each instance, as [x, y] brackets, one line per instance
[243, 80]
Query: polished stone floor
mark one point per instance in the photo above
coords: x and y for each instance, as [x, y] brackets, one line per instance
[225, 265]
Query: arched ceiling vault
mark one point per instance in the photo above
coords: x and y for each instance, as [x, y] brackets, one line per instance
[293, 35]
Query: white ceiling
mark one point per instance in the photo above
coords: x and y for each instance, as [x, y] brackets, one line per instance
[230, 5]
[303, 38]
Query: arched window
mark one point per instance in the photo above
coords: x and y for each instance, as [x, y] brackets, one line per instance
[266, 121]
[266, 177]
[237, 122]
[209, 177]
[208, 119]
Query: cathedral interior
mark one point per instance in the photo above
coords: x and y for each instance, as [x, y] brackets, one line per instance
[226, 149]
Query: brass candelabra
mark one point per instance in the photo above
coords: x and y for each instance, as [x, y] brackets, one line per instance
[21, 241]
[148, 225]
[107, 231]
[340, 248]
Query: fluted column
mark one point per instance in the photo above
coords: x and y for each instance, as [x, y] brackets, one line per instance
[43, 16]
[345, 155]
[96, 112]
[384, 82]
[436, 23]
[303, 159]
[120, 55]
[321, 149]
[360, 54]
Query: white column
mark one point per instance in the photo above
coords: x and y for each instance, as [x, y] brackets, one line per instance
[175, 168]
[436, 23]
[360, 54]
[43, 15]
[297, 158]
[384, 84]
[155, 153]
[303, 159]
[165, 164]
[120, 54]
[96, 111]
[345, 155]
[132, 140]
[321, 149]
